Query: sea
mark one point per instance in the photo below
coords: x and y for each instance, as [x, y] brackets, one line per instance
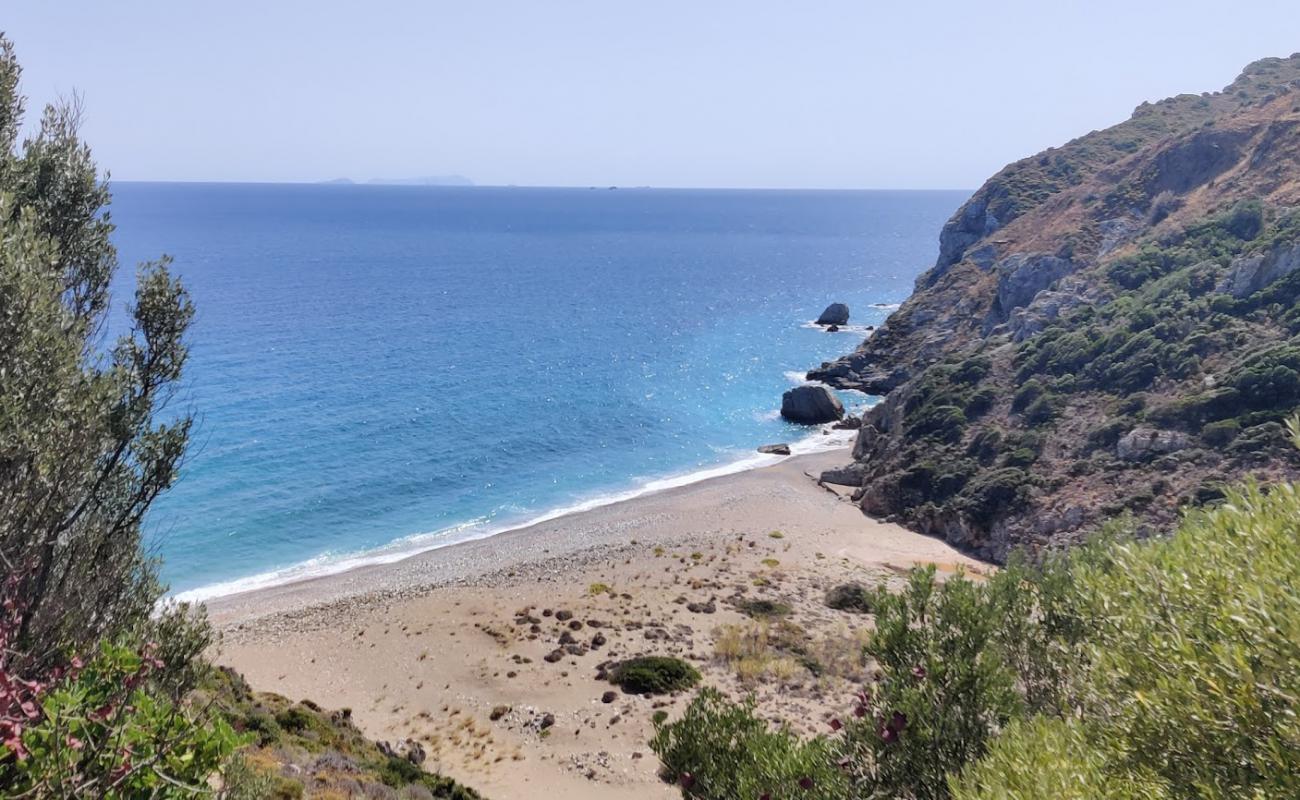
[380, 370]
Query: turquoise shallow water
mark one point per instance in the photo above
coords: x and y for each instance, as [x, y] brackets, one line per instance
[378, 370]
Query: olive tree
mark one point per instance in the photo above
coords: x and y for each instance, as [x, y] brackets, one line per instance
[87, 441]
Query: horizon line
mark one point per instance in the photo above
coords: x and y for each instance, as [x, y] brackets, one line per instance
[335, 183]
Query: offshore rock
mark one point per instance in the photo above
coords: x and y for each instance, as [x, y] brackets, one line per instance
[811, 405]
[835, 314]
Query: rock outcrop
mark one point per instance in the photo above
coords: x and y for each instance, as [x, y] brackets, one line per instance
[1109, 325]
[1146, 442]
[1251, 273]
[835, 314]
[811, 405]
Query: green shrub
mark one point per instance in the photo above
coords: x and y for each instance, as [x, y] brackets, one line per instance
[762, 608]
[851, 596]
[1049, 758]
[1026, 394]
[946, 423]
[972, 370]
[1041, 411]
[295, 719]
[107, 732]
[1218, 434]
[993, 492]
[720, 750]
[980, 402]
[1021, 457]
[654, 675]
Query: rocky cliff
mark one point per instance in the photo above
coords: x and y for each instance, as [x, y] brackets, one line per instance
[1110, 325]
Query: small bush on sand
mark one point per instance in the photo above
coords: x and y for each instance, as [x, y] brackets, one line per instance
[763, 609]
[654, 675]
[852, 597]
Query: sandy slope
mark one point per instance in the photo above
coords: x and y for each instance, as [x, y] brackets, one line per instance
[428, 647]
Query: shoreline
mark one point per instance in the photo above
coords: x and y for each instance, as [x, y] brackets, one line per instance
[475, 559]
[823, 439]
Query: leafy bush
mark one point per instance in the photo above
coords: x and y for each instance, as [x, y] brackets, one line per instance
[101, 731]
[1049, 758]
[720, 750]
[654, 675]
[1187, 681]
[1026, 394]
[994, 492]
[980, 402]
[852, 597]
[1041, 411]
[762, 608]
[945, 688]
[946, 423]
[1218, 434]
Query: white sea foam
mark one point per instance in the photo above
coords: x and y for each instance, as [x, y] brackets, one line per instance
[861, 330]
[334, 563]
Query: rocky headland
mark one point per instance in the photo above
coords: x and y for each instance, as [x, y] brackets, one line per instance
[1110, 326]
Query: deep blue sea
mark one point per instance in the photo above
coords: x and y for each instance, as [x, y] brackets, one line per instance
[378, 370]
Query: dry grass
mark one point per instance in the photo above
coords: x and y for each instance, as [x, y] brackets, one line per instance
[761, 650]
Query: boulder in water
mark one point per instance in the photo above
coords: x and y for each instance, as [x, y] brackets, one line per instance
[835, 314]
[782, 449]
[811, 405]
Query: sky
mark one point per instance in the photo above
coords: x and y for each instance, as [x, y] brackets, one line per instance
[697, 93]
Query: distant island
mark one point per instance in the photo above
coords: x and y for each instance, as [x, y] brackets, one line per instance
[428, 180]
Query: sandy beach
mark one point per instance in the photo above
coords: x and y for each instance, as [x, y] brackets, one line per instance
[450, 647]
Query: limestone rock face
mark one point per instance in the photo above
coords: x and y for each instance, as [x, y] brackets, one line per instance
[1249, 274]
[811, 405]
[835, 314]
[1144, 442]
[1024, 275]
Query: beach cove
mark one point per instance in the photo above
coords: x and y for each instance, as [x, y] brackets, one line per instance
[441, 648]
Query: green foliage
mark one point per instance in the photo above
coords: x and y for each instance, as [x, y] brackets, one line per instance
[1187, 678]
[1218, 434]
[721, 750]
[1049, 758]
[1030, 391]
[88, 441]
[106, 733]
[654, 675]
[946, 423]
[945, 687]
[993, 492]
[1165, 668]
[763, 608]
[853, 597]
[314, 747]
[980, 402]
[1041, 411]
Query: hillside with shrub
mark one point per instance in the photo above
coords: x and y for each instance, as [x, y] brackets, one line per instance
[1123, 669]
[1111, 326]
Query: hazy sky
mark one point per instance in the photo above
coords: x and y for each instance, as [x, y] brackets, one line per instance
[753, 93]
